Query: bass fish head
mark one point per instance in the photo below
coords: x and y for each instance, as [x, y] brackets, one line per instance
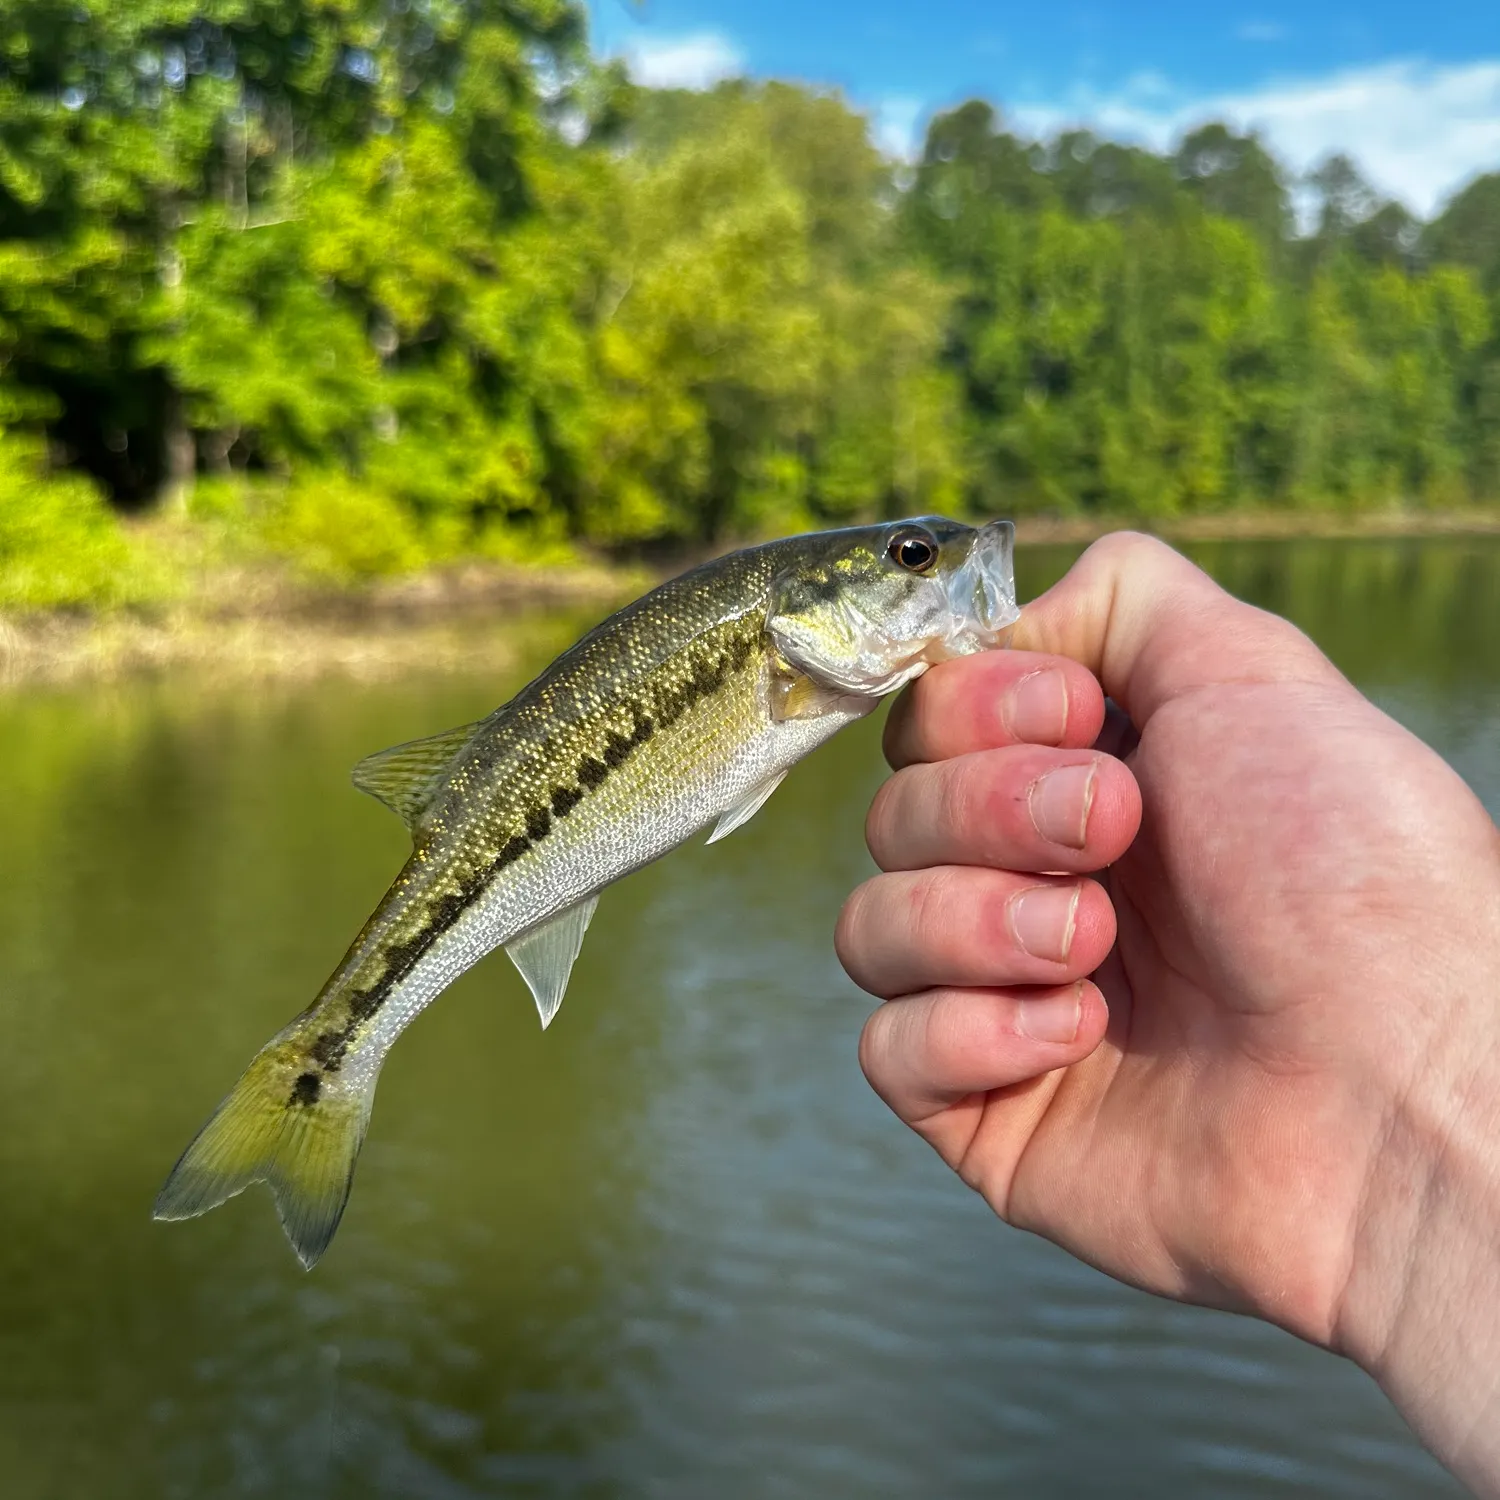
[864, 611]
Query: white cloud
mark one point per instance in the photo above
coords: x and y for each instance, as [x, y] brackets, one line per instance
[698, 61]
[1417, 130]
[894, 126]
[1149, 84]
[1261, 31]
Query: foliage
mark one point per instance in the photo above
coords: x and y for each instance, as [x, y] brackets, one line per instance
[59, 543]
[342, 530]
[383, 282]
[1147, 335]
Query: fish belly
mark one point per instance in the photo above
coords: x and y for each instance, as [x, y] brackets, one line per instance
[682, 782]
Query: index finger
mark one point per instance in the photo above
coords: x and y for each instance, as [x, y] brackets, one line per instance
[992, 700]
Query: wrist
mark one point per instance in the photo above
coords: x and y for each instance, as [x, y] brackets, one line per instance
[1421, 1306]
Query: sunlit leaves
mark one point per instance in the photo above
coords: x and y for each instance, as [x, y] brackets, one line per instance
[420, 275]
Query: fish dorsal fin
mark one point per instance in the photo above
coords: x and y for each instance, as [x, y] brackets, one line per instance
[405, 776]
[746, 808]
[545, 955]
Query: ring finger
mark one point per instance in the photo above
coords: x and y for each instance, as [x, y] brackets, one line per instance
[968, 927]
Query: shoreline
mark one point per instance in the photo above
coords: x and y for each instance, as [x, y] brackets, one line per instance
[257, 626]
[481, 618]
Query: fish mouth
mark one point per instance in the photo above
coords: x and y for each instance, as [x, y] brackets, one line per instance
[982, 592]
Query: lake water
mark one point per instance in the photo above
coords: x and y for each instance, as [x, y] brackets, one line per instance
[673, 1248]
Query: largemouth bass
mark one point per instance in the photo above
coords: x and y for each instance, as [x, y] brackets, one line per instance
[683, 711]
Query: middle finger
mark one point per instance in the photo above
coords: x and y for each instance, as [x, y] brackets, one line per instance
[1024, 807]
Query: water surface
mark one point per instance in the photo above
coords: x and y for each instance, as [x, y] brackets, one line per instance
[674, 1248]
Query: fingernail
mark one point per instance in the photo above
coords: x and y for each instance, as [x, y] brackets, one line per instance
[1042, 920]
[1060, 803]
[1052, 1018]
[1035, 710]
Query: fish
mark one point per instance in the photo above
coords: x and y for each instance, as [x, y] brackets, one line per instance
[681, 712]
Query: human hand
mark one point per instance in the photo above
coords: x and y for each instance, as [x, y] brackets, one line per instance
[1279, 1092]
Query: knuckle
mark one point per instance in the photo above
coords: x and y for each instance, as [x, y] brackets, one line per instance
[925, 900]
[1120, 548]
[1147, 562]
[989, 804]
[999, 1038]
[900, 741]
[873, 1049]
[959, 1038]
[935, 1035]
[848, 929]
[878, 819]
[907, 818]
[967, 794]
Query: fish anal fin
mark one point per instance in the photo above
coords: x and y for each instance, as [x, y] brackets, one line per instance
[300, 1132]
[746, 808]
[546, 955]
[405, 776]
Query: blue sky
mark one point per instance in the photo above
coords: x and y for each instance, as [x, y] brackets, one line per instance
[1412, 91]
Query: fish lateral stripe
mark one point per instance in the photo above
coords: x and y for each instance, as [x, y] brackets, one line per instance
[708, 668]
[567, 750]
[565, 799]
[512, 851]
[306, 1090]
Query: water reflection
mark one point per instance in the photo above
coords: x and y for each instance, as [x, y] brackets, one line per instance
[674, 1247]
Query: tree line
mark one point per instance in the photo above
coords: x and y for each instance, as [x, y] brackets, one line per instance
[396, 280]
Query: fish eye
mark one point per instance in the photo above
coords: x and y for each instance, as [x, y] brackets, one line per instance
[913, 549]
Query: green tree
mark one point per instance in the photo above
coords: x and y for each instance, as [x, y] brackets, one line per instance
[1381, 421]
[398, 281]
[1467, 232]
[138, 137]
[769, 359]
[1235, 177]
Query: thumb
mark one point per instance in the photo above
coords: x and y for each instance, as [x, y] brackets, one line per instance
[1152, 626]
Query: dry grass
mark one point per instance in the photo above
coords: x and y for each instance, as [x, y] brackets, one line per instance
[57, 649]
[257, 624]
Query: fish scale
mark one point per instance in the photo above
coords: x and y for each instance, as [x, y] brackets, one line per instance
[682, 710]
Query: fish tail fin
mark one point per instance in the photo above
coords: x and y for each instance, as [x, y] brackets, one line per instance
[298, 1132]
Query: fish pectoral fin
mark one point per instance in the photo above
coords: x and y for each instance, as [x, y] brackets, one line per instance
[545, 955]
[405, 776]
[795, 695]
[746, 808]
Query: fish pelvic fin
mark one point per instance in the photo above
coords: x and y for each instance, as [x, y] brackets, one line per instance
[298, 1131]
